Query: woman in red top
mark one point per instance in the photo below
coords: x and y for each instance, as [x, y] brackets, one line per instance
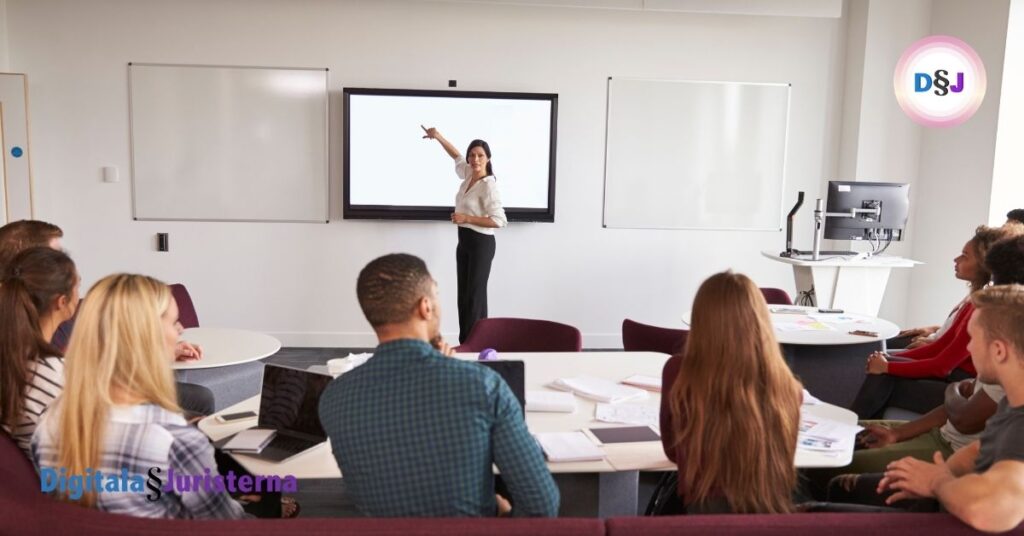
[730, 406]
[946, 358]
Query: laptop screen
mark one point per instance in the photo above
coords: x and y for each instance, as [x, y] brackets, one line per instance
[290, 400]
[514, 374]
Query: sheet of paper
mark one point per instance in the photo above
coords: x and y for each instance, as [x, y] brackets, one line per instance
[837, 318]
[651, 383]
[599, 389]
[804, 324]
[825, 435]
[639, 414]
[809, 399]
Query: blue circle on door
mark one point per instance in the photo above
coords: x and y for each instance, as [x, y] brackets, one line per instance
[16, 152]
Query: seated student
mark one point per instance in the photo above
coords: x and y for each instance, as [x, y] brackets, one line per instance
[38, 291]
[983, 483]
[947, 429]
[1015, 215]
[968, 266]
[17, 236]
[730, 406]
[415, 433]
[946, 359]
[118, 408]
[23, 234]
[968, 404]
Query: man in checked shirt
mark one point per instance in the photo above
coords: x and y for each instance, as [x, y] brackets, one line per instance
[416, 434]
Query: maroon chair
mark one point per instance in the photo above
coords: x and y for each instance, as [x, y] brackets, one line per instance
[186, 310]
[776, 296]
[637, 337]
[17, 472]
[522, 335]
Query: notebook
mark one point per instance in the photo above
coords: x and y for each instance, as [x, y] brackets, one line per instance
[568, 447]
[550, 402]
[599, 389]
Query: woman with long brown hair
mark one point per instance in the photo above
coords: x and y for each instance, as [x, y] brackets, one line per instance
[38, 291]
[730, 407]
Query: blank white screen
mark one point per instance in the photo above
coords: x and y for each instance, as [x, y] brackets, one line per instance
[391, 164]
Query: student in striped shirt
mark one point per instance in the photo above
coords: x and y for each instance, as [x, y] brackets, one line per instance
[38, 291]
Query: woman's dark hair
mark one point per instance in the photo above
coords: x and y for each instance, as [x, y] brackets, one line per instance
[1016, 214]
[1005, 260]
[28, 286]
[487, 151]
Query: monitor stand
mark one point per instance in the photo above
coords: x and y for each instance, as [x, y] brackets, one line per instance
[829, 253]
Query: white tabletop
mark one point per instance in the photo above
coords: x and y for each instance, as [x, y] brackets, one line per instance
[541, 369]
[851, 261]
[795, 324]
[224, 346]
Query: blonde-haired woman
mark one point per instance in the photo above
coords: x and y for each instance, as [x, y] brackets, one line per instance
[730, 406]
[119, 409]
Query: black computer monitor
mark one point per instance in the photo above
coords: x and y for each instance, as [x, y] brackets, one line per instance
[892, 198]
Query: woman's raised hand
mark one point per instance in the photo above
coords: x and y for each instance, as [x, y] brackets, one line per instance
[431, 133]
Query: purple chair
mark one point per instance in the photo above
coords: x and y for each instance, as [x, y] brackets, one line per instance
[776, 296]
[186, 310]
[522, 335]
[16, 470]
[637, 337]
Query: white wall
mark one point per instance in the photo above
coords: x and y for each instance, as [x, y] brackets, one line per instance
[297, 281]
[955, 184]
[5, 59]
[1008, 172]
[879, 142]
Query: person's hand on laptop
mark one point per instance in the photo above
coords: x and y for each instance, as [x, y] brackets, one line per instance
[186, 351]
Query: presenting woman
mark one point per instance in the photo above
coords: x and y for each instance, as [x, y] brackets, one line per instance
[478, 212]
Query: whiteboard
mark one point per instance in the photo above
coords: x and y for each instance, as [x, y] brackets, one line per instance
[220, 143]
[695, 155]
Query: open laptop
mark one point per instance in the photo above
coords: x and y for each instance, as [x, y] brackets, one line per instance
[289, 403]
[514, 374]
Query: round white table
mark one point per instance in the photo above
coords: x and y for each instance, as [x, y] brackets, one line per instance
[795, 324]
[226, 346]
[616, 475]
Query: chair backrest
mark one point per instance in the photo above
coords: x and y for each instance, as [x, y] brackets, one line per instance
[522, 335]
[16, 471]
[637, 337]
[186, 310]
[776, 296]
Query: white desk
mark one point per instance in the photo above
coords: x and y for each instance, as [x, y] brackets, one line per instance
[840, 327]
[854, 285]
[623, 460]
[224, 346]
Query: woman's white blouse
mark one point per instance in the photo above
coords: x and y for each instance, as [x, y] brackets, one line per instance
[481, 200]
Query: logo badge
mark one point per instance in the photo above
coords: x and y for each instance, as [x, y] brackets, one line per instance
[939, 81]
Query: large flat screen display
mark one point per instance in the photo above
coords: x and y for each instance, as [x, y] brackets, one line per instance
[392, 172]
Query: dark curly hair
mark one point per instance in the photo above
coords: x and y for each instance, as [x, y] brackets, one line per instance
[1005, 260]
